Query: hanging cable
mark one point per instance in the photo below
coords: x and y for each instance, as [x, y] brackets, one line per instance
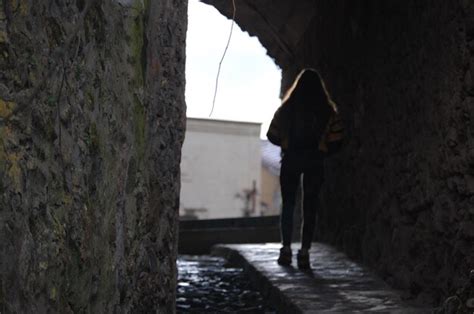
[222, 59]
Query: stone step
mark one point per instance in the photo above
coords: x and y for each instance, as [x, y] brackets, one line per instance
[334, 285]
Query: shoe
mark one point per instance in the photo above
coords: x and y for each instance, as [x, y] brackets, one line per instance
[303, 260]
[285, 256]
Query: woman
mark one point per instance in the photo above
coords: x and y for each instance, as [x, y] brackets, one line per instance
[300, 127]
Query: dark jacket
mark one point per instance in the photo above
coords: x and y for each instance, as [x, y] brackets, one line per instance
[326, 140]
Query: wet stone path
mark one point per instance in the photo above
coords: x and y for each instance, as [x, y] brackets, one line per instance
[208, 284]
[334, 285]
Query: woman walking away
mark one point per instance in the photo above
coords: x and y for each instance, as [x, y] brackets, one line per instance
[304, 127]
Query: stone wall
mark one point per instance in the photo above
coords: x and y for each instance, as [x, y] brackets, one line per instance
[92, 119]
[400, 195]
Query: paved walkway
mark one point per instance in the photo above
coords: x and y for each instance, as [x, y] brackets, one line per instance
[335, 284]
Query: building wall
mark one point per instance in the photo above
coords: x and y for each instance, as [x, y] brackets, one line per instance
[400, 194]
[91, 125]
[220, 159]
[271, 194]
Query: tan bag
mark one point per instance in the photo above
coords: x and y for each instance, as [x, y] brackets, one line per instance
[333, 136]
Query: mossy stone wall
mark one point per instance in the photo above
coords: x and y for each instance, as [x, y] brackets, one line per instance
[92, 119]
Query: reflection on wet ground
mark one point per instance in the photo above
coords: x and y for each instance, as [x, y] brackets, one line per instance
[207, 284]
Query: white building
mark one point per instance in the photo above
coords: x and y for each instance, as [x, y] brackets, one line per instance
[220, 169]
[270, 195]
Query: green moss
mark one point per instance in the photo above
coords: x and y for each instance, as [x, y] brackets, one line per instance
[146, 4]
[6, 108]
[93, 139]
[50, 129]
[78, 72]
[90, 101]
[14, 171]
[20, 6]
[3, 36]
[51, 101]
[3, 161]
[137, 43]
[57, 217]
[10, 162]
[137, 59]
[43, 265]
[53, 293]
[139, 125]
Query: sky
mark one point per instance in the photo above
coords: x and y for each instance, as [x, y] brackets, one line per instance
[249, 82]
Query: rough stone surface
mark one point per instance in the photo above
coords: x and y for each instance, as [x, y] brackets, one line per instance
[400, 194]
[334, 285]
[92, 118]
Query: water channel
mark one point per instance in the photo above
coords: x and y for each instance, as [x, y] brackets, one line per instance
[208, 284]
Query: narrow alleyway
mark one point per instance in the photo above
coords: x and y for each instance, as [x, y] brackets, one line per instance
[335, 284]
[93, 115]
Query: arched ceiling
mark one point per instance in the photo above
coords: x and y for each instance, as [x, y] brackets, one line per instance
[278, 24]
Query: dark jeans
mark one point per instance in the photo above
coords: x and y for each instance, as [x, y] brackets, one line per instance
[293, 165]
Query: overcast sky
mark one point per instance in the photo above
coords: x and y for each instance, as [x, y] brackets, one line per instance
[249, 82]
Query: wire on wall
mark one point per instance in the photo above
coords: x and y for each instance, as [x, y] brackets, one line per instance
[222, 59]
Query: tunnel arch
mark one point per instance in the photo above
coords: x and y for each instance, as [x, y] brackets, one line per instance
[402, 78]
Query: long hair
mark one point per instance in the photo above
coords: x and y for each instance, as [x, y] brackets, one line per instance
[309, 92]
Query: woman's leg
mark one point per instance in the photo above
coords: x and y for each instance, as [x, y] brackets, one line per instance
[312, 181]
[289, 179]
